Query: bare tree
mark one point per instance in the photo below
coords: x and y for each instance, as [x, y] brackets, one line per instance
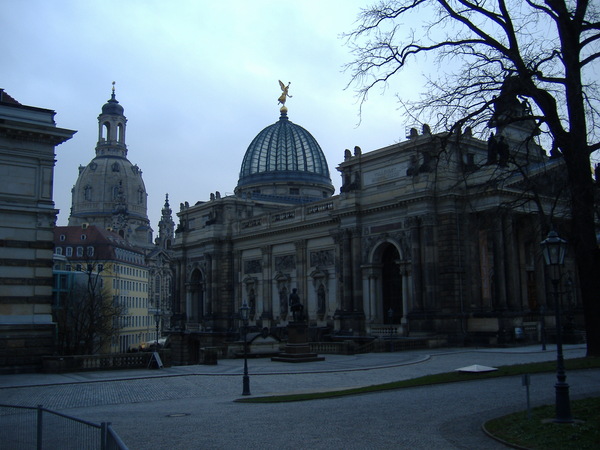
[87, 317]
[543, 52]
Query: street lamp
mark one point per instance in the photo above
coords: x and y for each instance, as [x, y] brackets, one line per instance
[244, 313]
[554, 249]
[157, 320]
[391, 319]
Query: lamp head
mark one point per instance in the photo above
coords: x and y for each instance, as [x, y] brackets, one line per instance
[554, 249]
[244, 311]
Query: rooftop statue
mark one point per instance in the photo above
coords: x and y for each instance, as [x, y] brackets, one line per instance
[284, 94]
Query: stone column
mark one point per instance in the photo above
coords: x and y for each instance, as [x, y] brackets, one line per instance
[357, 290]
[429, 264]
[371, 274]
[347, 272]
[415, 243]
[301, 277]
[267, 282]
[406, 295]
[499, 272]
[512, 263]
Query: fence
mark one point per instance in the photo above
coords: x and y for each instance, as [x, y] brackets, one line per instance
[58, 364]
[25, 427]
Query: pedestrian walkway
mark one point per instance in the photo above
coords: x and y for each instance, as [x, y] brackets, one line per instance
[192, 406]
[363, 367]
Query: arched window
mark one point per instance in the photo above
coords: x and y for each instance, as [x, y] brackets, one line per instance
[120, 132]
[105, 131]
[87, 193]
[157, 284]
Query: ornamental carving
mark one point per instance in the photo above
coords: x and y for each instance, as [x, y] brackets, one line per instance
[322, 258]
[285, 263]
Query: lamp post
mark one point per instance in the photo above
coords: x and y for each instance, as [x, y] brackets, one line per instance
[391, 319]
[554, 249]
[244, 313]
[157, 320]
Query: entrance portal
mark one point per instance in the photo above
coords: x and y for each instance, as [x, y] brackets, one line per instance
[391, 286]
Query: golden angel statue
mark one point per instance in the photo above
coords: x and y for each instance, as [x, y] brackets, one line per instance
[284, 92]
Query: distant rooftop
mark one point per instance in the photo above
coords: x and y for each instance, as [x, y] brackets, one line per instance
[5, 98]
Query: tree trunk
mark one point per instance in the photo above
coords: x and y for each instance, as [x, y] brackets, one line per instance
[587, 253]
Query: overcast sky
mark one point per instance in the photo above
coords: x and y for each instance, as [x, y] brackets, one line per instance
[198, 81]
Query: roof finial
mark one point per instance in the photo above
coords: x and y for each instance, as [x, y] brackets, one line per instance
[284, 94]
[113, 89]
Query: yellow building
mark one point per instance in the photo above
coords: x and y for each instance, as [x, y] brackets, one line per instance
[115, 269]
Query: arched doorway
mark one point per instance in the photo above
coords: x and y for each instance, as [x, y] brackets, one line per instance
[391, 286]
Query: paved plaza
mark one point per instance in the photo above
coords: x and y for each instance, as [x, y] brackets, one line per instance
[192, 407]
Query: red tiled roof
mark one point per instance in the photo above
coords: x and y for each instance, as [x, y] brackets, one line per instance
[103, 240]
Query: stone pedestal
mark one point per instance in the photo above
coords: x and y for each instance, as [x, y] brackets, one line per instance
[297, 349]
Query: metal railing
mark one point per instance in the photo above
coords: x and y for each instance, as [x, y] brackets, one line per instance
[26, 427]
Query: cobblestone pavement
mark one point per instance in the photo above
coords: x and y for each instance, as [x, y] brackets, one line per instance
[192, 406]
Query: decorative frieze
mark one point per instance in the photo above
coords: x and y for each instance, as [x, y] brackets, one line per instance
[385, 174]
[251, 223]
[288, 215]
[320, 208]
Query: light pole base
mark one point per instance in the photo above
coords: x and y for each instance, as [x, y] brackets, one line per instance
[563, 403]
[246, 385]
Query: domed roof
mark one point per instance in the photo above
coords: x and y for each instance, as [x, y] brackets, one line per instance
[112, 106]
[101, 183]
[284, 151]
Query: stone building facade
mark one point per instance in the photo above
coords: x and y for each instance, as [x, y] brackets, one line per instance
[437, 236]
[28, 137]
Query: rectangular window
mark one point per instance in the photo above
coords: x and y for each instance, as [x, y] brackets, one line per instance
[90, 251]
[79, 251]
[69, 251]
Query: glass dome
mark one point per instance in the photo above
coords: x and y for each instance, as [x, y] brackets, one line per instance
[284, 152]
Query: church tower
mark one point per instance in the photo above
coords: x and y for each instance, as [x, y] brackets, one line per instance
[110, 191]
[166, 227]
